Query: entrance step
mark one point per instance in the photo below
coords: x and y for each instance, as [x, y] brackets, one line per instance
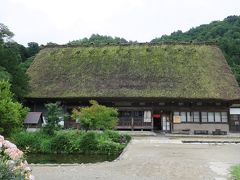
[209, 142]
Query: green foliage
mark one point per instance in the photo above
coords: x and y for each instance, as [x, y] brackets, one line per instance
[109, 147]
[74, 139]
[89, 142]
[10, 66]
[53, 116]
[45, 145]
[72, 142]
[15, 59]
[31, 141]
[96, 117]
[98, 39]
[4, 75]
[5, 33]
[33, 49]
[26, 64]
[12, 113]
[225, 33]
[235, 172]
[11, 55]
[60, 143]
[118, 138]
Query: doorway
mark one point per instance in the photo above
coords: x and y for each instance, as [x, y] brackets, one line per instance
[157, 122]
[234, 123]
[161, 122]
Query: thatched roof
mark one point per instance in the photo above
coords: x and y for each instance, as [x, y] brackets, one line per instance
[163, 71]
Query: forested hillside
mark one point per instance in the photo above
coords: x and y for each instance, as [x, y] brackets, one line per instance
[14, 60]
[225, 33]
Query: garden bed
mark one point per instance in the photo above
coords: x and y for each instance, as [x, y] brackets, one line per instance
[72, 143]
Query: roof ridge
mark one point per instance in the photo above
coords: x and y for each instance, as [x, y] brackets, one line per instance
[209, 43]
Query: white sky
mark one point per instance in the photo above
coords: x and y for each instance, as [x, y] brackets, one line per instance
[61, 21]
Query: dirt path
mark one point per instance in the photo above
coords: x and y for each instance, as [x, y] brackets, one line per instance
[153, 158]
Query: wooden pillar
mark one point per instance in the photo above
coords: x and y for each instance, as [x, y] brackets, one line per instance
[132, 123]
[152, 118]
[34, 107]
[171, 122]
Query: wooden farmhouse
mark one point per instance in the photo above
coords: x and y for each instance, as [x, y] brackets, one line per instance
[176, 88]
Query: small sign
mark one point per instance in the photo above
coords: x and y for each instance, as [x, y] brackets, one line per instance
[176, 119]
[157, 116]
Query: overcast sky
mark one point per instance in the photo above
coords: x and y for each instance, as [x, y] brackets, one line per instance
[60, 21]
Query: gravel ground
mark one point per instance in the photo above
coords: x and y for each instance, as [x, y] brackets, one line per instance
[157, 158]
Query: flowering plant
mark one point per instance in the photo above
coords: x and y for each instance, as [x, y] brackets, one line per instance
[11, 158]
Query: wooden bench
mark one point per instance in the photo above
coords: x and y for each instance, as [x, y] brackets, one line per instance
[219, 132]
[181, 131]
[202, 132]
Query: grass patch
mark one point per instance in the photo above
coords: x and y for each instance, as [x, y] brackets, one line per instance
[235, 172]
[72, 142]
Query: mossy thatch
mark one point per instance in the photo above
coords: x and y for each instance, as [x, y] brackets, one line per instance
[169, 71]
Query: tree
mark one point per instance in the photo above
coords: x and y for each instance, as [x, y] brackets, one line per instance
[10, 62]
[96, 117]
[5, 33]
[4, 75]
[54, 116]
[33, 49]
[12, 113]
[98, 39]
[10, 59]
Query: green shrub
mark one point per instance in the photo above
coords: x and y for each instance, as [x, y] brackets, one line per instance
[12, 113]
[54, 112]
[113, 135]
[109, 147]
[117, 137]
[127, 137]
[46, 146]
[75, 145]
[60, 143]
[74, 138]
[72, 142]
[96, 116]
[27, 140]
[236, 172]
[89, 142]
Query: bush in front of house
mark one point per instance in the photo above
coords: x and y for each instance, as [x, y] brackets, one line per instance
[60, 143]
[54, 116]
[235, 172]
[89, 142]
[96, 117]
[117, 137]
[30, 141]
[72, 142]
